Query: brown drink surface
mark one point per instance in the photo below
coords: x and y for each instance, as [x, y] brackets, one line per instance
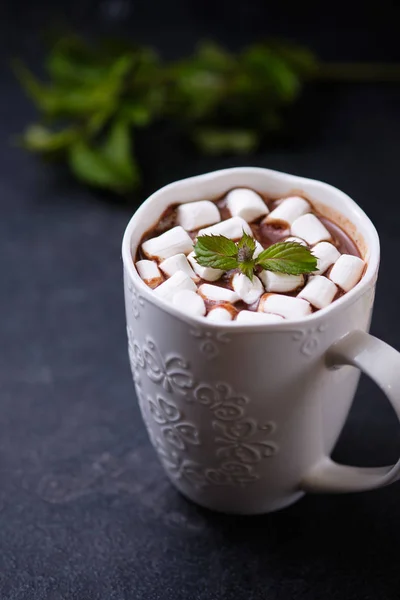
[264, 233]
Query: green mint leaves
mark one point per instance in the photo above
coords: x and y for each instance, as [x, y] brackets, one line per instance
[287, 257]
[219, 252]
[97, 96]
[246, 246]
[216, 251]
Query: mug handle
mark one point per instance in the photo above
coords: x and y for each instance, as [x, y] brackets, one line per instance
[382, 363]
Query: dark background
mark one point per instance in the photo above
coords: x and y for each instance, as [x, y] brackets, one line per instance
[85, 510]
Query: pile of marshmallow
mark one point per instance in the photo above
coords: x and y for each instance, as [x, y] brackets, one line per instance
[172, 271]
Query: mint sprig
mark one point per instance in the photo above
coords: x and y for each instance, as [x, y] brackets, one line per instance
[219, 252]
[246, 247]
[291, 258]
[216, 251]
[224, 102]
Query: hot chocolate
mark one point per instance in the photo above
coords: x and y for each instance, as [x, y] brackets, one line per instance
[167, 262]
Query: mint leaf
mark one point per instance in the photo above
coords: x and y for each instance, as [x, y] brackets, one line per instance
[247, 268]
[111, 165]
[89, 166]
[136, 113]
[216, 251]
[287, 257]
[215, 57]
[76, 100]
[117, 151]
[226, 102]
[219, 252]
[213, 140]
[246, 246]
[72, 61]
[39, 138]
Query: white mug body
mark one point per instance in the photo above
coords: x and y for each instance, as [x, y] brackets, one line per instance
[238, 414]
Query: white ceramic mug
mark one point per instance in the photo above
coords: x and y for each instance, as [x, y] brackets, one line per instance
[244, 417]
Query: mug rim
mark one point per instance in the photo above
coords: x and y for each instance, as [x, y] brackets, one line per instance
[347, 299]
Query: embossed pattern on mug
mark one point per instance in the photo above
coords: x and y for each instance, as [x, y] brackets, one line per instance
[237, 447]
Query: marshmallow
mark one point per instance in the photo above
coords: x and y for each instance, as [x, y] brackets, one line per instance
[231, 228]
[319, 291]
[246, 203]
[207, 273]
[179, 281]
[248, 316]
[149, 272]
[309, 228]
[173, 241]
[326, 254]
[289, 210]
[286, 306]
[295, 239]
[248, 291]
[280, 282]
[175, 263]
[258, 250]
[190, 303]
[194, 215]
[347, 271]
[220, 315]
[217, 294]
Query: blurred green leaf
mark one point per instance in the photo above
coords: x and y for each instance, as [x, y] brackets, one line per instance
[71, 61]
[97, 121]
[117, 150]
[136, 114]
[212, 56]
[59, 101]
[89, 165]
[98, 94]
[38, 138]
[111, 165]
[272, 72]
[147, 65]
[222, 141]
[199, 84]
[195, 92]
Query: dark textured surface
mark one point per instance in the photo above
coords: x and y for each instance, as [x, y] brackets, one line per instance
[85, 510]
